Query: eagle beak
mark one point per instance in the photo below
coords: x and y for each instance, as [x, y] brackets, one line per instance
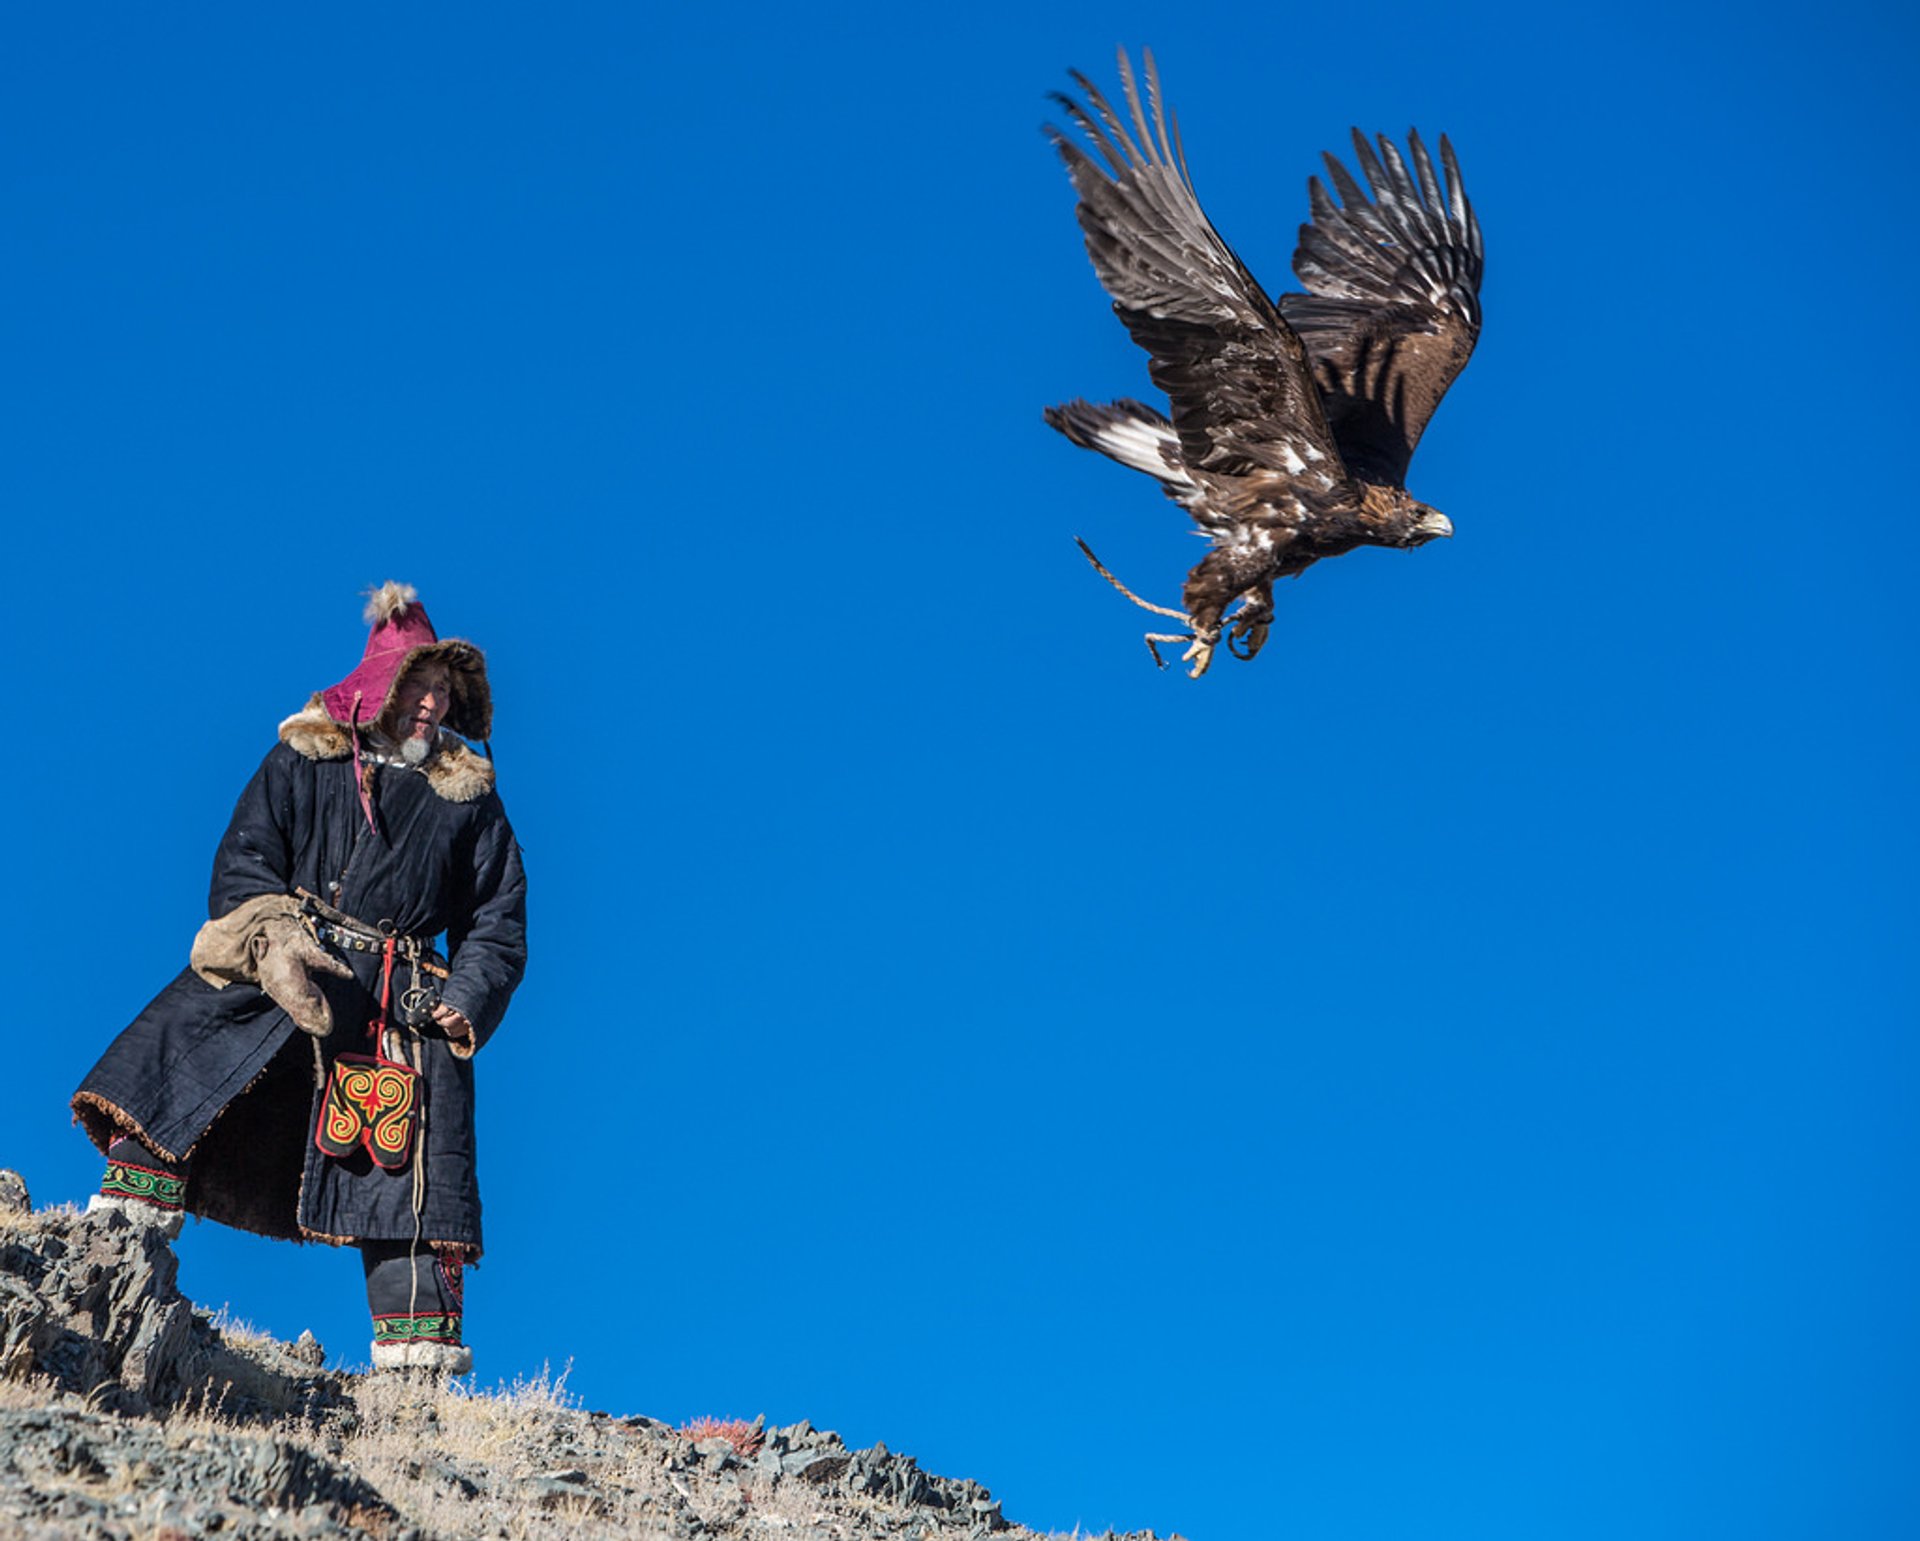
[1433, 523]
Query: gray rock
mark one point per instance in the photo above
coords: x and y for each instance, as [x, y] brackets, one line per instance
[558, 1493]
[93, 1305]
[212, 1480]
[13, 1194]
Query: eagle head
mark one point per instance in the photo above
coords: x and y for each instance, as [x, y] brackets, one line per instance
[1411, 523]
[1392, 516]
[1429, 524]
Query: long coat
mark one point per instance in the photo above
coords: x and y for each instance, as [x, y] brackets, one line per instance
[221, 1078]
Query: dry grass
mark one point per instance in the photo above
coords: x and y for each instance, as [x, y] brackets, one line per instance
[523, 1457]
[242, 1334]
[55, 1217]
[491, 1425]
[18, 1394]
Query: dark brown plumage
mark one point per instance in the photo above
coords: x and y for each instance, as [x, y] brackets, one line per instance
[1292, 420]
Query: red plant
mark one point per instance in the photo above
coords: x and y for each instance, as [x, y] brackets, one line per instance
[742, 1435]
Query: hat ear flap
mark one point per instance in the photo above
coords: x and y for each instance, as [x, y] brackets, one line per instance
[473, 701]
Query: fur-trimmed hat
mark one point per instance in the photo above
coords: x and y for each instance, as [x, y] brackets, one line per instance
[402, 636]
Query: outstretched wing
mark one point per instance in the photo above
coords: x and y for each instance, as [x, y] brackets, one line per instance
[1394, 307]
[1237, 379]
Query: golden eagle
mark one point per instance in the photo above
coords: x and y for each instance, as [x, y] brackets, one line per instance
[1292, 419]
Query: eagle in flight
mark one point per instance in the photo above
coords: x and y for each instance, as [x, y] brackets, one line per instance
[1292, 419]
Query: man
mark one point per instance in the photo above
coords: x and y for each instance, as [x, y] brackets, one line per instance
[310, 1075]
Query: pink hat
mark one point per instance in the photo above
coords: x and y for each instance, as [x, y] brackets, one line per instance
[402, 636]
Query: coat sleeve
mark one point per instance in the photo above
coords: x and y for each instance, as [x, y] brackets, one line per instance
[256, 853]
[488, 952]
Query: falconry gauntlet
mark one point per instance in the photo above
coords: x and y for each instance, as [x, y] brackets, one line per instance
[286, 959]
[263, 941]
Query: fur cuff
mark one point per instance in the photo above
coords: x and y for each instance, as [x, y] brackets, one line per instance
[166, 1221]
[441, 1358]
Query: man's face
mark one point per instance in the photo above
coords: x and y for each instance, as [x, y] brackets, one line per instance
[424, 696]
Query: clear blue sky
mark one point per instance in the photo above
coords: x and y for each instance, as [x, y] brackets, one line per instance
[1453, 1077]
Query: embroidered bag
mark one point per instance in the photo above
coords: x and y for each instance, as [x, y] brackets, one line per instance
[371, 1101]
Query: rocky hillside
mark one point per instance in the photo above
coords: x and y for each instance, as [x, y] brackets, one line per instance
[129, 1414]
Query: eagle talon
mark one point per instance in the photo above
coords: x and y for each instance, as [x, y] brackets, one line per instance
[1249, 630]
[1154, 637]
[1201, 653]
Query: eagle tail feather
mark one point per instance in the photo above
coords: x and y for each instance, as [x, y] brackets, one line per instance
[1127, 431]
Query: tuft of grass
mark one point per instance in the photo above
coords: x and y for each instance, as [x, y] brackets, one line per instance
[55, 1217]
[545, 1392]
[242, 1333]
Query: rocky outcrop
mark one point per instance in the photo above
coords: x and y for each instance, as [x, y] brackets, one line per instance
[67, 1473]
[127, 1414]
[820, 1457]
[90, 1305]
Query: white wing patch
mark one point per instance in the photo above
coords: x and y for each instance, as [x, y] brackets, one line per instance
[1297, 454]
[1145, 446]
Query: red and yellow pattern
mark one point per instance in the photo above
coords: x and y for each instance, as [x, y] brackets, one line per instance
[369, 1103]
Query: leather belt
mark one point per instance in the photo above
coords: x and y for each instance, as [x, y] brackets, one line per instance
[340, 929]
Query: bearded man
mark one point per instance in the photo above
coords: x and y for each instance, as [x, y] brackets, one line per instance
[310, 1074]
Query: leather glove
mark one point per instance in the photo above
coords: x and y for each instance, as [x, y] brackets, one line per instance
[286, 957]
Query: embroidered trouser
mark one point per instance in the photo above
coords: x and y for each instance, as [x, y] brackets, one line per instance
[137, 1174]
[416, 1294]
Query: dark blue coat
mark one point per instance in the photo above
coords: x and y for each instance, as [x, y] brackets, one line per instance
[221, 1078]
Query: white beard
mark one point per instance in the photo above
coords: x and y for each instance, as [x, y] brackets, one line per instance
[415, 750]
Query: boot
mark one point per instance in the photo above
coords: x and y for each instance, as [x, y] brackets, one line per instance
[416, 1296]
[142, 1187]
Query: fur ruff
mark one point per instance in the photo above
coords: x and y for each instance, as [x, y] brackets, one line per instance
[389, 602]
[103, 1123]
[472, 710]
[455, 771]
[442, 1358]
